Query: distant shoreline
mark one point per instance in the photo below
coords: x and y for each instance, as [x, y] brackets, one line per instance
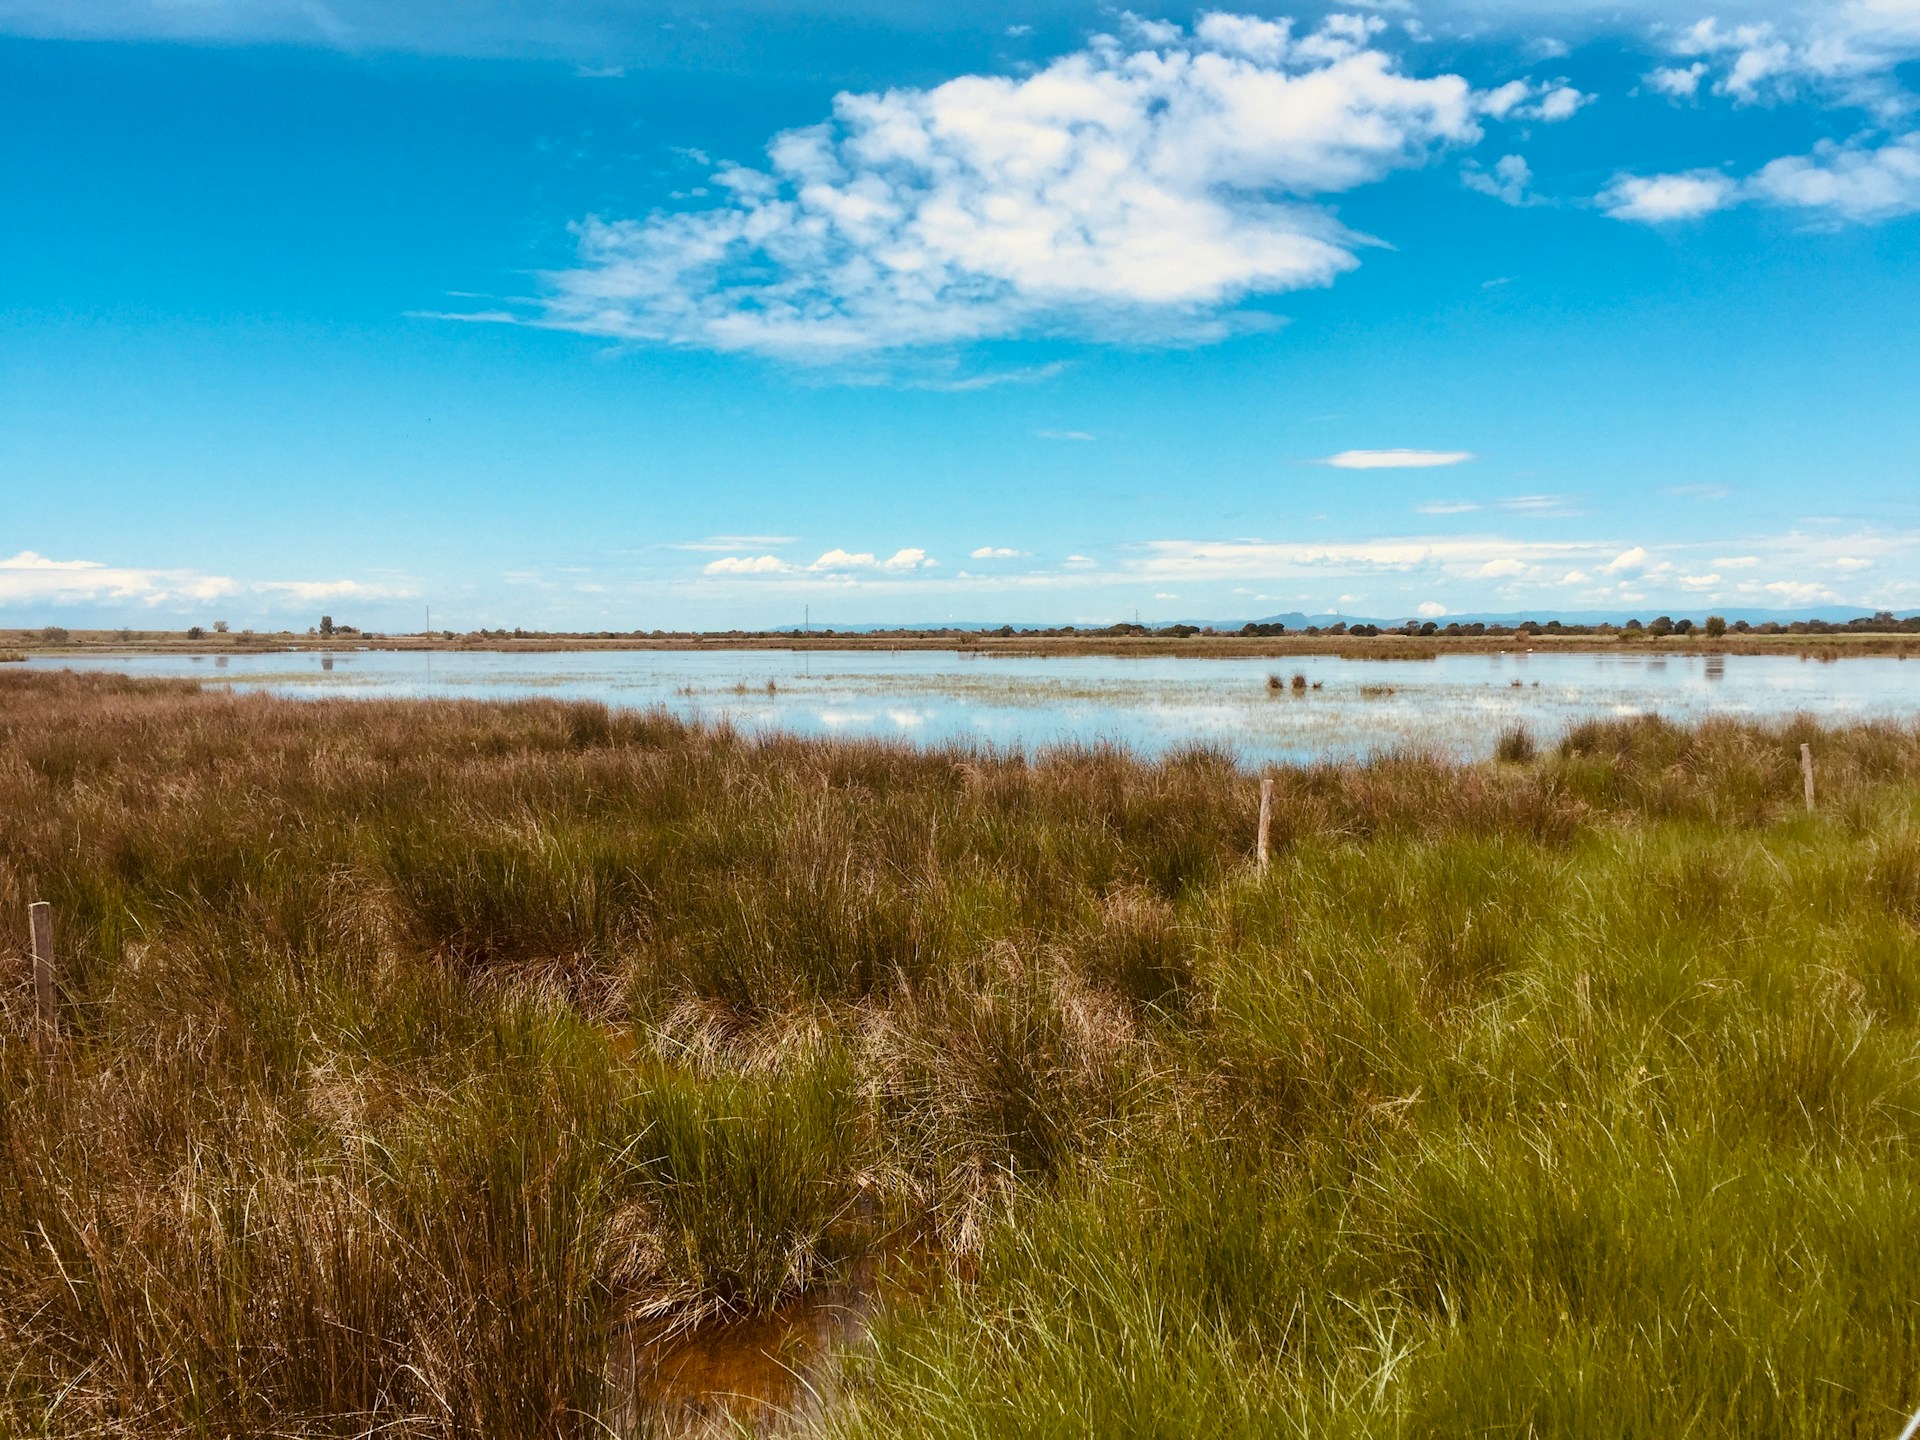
[1834, 646]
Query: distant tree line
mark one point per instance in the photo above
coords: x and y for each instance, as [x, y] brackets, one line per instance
[1883, 622]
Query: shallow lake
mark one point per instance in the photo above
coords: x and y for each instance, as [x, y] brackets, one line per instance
[1455, 703]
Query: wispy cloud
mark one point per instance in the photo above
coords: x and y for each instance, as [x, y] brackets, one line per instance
[1464, 555]
[1795, 592]
[1065, 434]
[981, 380]
[1457, 571]
[736, 542]
[29, 578]
[469, 317]
[1396, 459]
[1510, 180]
[1543, 506]
[1591, 570]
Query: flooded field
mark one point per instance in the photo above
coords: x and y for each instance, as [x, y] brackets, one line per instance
[1335, 708]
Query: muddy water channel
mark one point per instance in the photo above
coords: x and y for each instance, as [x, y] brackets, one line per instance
[1345, 709]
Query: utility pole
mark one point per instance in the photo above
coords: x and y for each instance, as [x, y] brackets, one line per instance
[807, 623]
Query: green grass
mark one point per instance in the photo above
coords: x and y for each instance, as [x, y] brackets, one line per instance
[414, 1051]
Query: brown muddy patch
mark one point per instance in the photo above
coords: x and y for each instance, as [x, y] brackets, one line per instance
[763, 1372]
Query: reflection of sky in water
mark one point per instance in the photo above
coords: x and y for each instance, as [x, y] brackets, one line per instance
[1456, 702]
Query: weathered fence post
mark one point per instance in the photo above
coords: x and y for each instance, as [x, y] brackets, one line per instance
[1266, 822]
[1806, 772]
[48, 1027]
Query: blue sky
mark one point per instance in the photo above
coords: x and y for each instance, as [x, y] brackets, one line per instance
[609, 315]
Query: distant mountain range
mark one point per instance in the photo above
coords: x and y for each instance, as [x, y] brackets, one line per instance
[1299, 620]
[1832, 614]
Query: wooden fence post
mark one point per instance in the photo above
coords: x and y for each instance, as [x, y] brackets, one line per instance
[48, 1028]
[1806, 772]
[1266, 822]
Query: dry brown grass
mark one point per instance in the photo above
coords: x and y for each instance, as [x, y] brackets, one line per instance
[412, 1049]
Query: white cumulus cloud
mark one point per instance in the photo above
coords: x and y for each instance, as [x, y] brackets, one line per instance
[1634, 559]
[1526, 100]
[1143, 187]
[1656, 199]
[997, 552]
[901, 560]
[1855, 183]
[1858, 183]
[838, 559]
[1840, 52]
[746, 565]
[1848, 49]
[1559, 102]
[1681, 82]
[838, 565]
[1758, 59]
[1503, 100]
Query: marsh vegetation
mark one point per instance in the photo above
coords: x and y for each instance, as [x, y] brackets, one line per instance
[1347, 709]
[417, 1057]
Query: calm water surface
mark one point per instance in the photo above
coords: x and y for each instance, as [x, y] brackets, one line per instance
[1456, 703]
